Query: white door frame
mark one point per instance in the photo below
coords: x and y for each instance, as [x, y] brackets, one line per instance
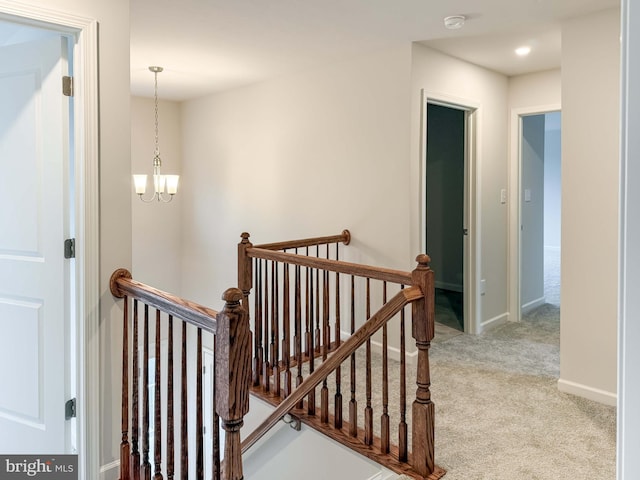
[515, 204]
[471, 265]
[86, 151]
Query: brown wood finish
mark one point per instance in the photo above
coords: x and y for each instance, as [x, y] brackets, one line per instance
[188, 311]
[145, 469]
[170, 415]
[233, 378]
[199, 410]
[423, 409]
[245, 268]
[257, 322]
[298, 326]
[368, 411]
[353, 403]
[344, 237]
[275, 327]
[266, 367]
[124, 444]
[384, 419]
[157, 414]
[184, 409]
[367, 271]
[337, 407]
[403, 432]
[286, 338]
[135, 427]
[360, 336]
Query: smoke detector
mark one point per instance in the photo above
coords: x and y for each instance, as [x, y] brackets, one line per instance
[454, 22]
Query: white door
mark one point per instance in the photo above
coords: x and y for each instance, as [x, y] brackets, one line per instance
[34, 305]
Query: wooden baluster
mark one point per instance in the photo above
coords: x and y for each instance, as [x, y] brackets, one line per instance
[257, 322]
[403, 442]
[124, 444]
[146, 466]
[286, 339]
[216, 421]
[134, 467]
[275, 328]
[184, 417]
[368, 411]
[233, 376]
[326, 340]
[337, 408]
[157, 414]
[318, 338]
[384, 419]
[308, 310]
[353, 404]
[266, 366]
[199, 410]
[298, 326]
[423, 409]
[311, 399]
[170, 415]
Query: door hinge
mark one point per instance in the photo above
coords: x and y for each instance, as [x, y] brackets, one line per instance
[67, 86]
[70, 248]
[70, 409]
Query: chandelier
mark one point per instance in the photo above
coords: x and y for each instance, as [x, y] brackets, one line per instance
[164, 186]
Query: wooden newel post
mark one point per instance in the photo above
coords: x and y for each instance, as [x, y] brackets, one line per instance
[233, 377]
[423, 331]
[245, 269]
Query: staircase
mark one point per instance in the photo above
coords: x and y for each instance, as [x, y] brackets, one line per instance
[289, 454]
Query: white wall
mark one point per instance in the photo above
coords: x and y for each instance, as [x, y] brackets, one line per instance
[156, 227]
[305, 155]
[629, 335]
[590, 169]
[535, 89]
[443, 75]
[115, 199]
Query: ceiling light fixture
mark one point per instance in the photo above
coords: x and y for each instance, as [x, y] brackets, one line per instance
[454, 22]
[159, 180]
[523, 51]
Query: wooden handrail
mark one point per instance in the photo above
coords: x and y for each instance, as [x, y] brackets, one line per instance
[121, 285]
[391, 308]
[344, 237]
[366, 271]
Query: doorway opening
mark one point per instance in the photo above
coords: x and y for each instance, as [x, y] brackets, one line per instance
[540, 197]
[448, 211]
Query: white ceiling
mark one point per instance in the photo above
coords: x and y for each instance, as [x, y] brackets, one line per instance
[206, 46]
[211, 45]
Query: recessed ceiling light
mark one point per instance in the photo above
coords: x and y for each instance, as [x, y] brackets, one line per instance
[454, 22]
[523, 51]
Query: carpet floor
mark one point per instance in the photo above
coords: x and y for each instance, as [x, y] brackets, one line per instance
[500, 416]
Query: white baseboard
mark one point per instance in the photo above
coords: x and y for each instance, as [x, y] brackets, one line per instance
[110, 471]
[595, 394]
[454, 287]
[495, 321]
[529, 306]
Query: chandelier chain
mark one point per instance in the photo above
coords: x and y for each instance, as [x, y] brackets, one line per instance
[155, 97]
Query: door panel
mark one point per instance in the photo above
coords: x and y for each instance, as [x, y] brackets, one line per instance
[33, 282]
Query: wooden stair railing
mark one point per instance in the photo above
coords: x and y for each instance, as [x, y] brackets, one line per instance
[298, 318]
[232, 376]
